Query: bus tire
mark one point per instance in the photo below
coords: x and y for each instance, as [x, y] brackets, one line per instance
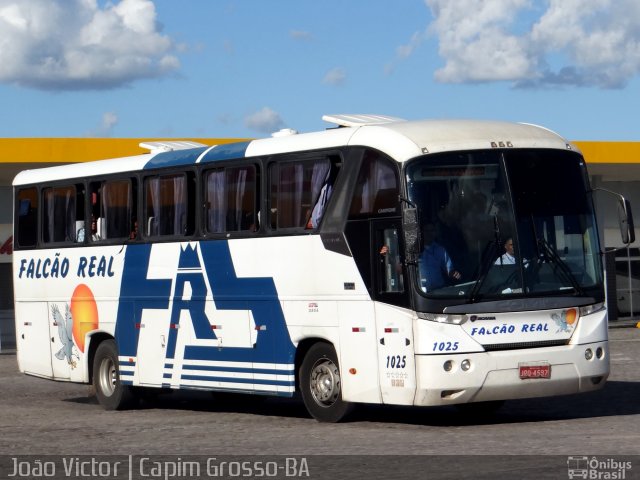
[110, 391]
[321, 385]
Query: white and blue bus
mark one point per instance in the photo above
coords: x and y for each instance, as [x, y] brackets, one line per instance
[382, 261]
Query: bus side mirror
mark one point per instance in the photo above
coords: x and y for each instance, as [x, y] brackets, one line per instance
[625, 220]
[411, 233]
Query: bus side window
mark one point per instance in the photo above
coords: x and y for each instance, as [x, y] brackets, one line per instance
[168, 201]
[27, 214]
[230, 196]
[391, 278]
[377, 188]
[60, 213]
[296, 187]
[116, 207]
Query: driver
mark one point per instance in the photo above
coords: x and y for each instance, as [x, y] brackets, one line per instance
[434, 265]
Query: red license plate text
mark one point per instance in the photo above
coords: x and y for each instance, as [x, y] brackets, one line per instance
[535, 371]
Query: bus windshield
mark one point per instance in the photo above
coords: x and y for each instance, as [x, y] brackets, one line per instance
[498, 224]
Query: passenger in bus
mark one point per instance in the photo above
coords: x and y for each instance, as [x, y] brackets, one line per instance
[134, 232]
[508, 257]
[323, 198]
[435, 267]
[94, 229]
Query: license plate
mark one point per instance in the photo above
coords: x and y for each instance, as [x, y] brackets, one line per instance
[542, 370]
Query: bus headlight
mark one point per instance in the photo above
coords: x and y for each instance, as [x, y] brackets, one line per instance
[443, 318]
[590, 309]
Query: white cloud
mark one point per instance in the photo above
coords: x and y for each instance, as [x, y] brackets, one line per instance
[301, 35]
[569, 43]
[108, 122]
[405, 51]
[265, 121]
[76, 44]
[336, 76]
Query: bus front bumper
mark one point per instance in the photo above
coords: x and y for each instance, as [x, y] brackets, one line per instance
[441, 379]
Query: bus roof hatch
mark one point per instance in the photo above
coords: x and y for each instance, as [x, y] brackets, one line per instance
[358, 120]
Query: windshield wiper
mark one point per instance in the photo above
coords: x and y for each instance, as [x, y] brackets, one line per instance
[552, 255]
[489, 255]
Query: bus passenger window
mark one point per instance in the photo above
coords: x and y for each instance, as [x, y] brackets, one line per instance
[59, 214]
[115, 210]
[231, 200]
[27, 231]
[377, 188]
[166, 201]
[296, 192]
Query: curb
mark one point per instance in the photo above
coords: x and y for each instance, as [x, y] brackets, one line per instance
[624, 324]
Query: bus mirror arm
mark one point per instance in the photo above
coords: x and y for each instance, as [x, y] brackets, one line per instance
[625, 217]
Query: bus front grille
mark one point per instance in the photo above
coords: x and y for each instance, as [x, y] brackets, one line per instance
[521, 345]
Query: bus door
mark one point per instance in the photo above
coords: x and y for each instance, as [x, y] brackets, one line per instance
[394, 326]
[33, 338]
[154, 328]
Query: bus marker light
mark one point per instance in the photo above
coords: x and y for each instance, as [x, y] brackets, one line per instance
[465, 365]
[353, 371]
[358, 329]
[391, 330]
[448, 366]
[588, 354]
[599, 353]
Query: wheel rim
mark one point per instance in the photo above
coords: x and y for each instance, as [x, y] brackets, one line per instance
[108, 376]
[325, 382]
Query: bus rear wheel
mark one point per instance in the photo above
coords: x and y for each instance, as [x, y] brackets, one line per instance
[111, 393]
[321, 385]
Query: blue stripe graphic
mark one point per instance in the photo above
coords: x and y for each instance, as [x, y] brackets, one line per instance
[238, 380]
[227, 151]
[175, 158]
[189, 156]
[265, 371]
[258, 295]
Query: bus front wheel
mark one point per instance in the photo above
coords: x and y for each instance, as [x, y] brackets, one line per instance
[111, 393]
[321, 385]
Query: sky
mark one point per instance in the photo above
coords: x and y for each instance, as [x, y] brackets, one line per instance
[247, 68]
